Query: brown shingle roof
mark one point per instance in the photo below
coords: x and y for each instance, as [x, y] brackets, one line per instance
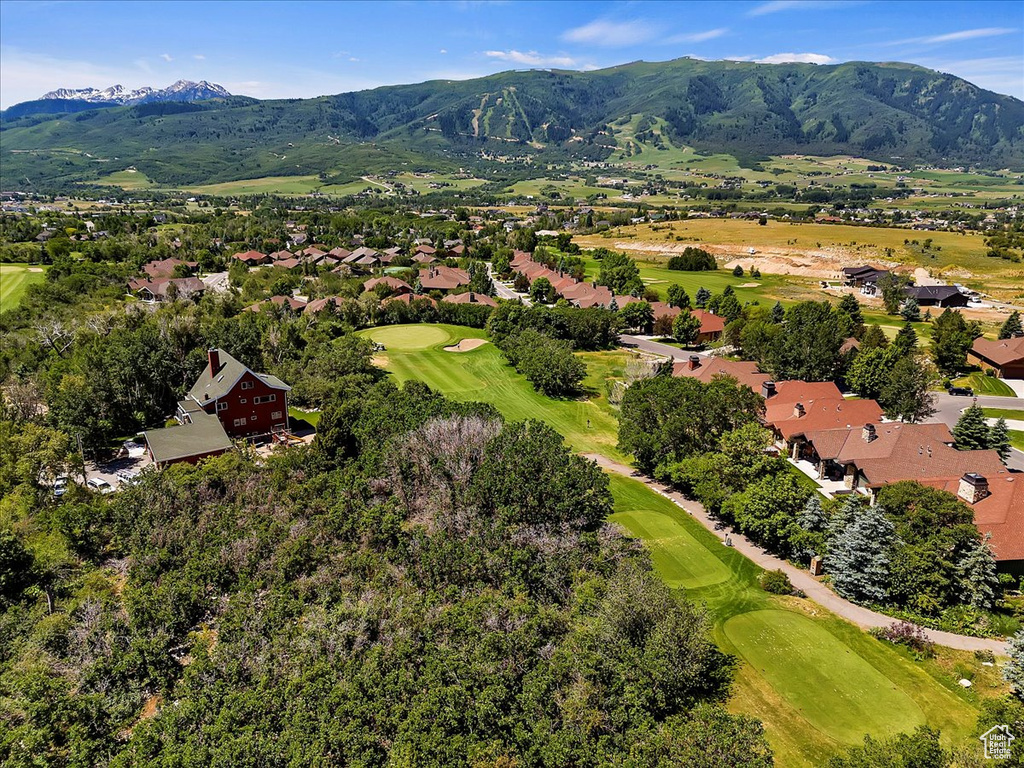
[471, 298]
[707, 368]
[825, 413]
[1000, 514]
[398, 286]
[443, 278]
[1000, 352]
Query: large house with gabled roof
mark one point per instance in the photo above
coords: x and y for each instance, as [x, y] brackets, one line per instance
[247, 403]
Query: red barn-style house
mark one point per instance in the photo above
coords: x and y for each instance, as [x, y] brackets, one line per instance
[247, 403]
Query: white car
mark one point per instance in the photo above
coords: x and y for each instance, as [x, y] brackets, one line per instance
[99, 484]
[60, 486]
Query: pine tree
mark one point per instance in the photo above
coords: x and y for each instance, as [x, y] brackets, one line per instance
[778, 314]
[999, 439]
[874, 337]
[971, 432]
[905, 341]
[1013, 672]
[812, 516]
[859, 557]
[911, 310]
[1012, 327]
[978, 579]
[703, 297]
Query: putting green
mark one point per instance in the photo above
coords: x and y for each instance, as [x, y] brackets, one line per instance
[679, 559]
[410, 337]
[821, 677]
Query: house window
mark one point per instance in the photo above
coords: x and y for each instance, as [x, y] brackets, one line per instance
[248, 384]
[276, 415]
[239, 422]
[222, 406]
[253, 417]
[264, 399]
[242, 399]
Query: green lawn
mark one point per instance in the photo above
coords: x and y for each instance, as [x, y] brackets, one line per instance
[1005, 413]
[817, 682]
[985, 385]
[1017, 439]
[15, 280]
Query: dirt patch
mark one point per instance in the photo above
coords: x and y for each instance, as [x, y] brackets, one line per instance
[466, 345]
[35, 269]
[381, 361]
[151, 707]
[749, 285]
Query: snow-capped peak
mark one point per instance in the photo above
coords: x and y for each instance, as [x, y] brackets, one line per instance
[183, 90]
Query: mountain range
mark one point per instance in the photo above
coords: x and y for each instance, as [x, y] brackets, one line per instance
[65, 100]
[885, 111]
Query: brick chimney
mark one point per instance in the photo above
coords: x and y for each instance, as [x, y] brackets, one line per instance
[973, 488]
[214, 356]
[799, 411]
[768, 389]
[869, 433]
[694, 362]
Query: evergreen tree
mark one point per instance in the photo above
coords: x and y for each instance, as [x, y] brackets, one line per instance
[1012, 327]
[812, 516]
[778, 314]
[971, 431]
[952, 336]
[905, 341]
[849, 306]
[703, 297]
[911, 310]
[874, 337]
[678, 297]
[999, 439]
[979, 582]
[1013, 672]
[728, 291]
[737, 271]
[859, 556]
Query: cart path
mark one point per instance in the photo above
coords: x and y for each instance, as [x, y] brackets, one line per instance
[802, 580]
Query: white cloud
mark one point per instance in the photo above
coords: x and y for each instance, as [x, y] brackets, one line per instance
[166, 57]
[532, 58]
[444, 50]
[199, 57]
[775, 6]
[797, 58]
[25, 76]
[697, 37]
[611, 34]
[1002, 74]
[967, 34]
[352, 58]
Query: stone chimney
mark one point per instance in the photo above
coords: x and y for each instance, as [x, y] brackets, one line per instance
[214, 356]
[973, 488]
[768, 389]
[694, 362]
[869, 433]
[799, 411]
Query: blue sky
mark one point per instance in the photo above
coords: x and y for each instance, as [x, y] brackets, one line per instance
[297, 49]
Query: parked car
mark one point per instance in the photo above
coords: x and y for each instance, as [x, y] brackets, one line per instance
[99, 484]
[60, 486]
[128, 476]
[961, 391]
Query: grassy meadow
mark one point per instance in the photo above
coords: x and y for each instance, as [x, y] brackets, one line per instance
[817, 682]
[15, 280]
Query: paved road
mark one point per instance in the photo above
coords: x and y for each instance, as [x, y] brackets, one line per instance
[948, 408]
[656, 348]
[503, 291]
[802, 580]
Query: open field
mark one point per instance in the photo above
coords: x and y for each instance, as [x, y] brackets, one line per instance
[817, 682]
[819, 251]
[15, 280]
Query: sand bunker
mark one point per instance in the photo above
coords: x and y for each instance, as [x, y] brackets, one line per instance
[466, 345]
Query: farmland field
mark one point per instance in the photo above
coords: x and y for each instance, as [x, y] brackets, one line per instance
[15, 280]
[817, 682]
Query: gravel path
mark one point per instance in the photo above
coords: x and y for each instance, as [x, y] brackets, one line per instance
[801, 579]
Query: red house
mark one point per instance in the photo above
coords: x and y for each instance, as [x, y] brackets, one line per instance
[247, 403]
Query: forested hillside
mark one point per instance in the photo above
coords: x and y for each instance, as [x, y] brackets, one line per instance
[874, 110]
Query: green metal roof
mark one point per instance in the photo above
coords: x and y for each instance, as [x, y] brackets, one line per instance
[204, 435]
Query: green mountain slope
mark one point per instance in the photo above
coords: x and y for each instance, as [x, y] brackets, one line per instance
[883, 111]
